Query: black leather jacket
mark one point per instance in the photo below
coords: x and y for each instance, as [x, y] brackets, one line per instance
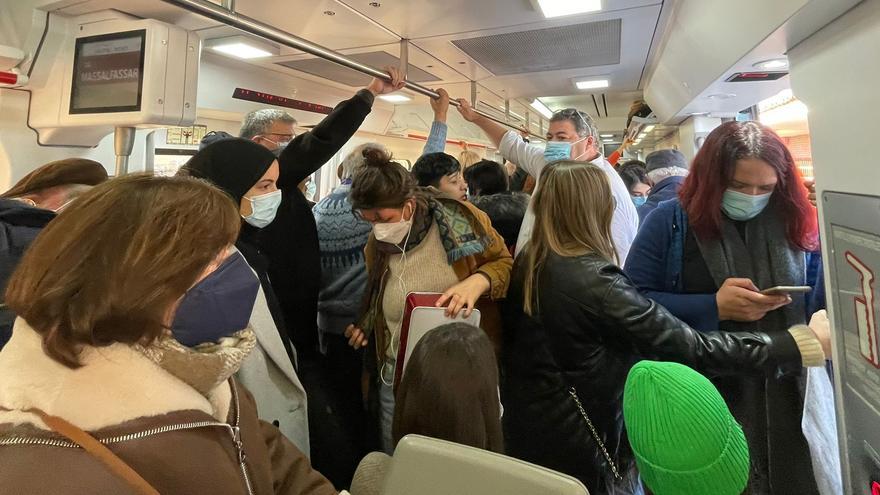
[591, 326]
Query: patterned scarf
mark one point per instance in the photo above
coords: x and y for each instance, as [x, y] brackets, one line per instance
[461, 233]
[205, 366]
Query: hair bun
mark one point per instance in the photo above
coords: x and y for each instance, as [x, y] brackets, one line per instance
[375, 157]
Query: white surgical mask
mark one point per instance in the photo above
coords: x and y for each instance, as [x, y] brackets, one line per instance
[393, 233]
[263, 209]
[280, 144]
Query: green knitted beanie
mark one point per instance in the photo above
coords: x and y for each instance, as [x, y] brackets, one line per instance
[682, 434]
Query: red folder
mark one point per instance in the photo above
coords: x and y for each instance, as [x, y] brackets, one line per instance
[421, 316]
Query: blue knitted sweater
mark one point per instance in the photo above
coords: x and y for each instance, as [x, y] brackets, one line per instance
[342, 238]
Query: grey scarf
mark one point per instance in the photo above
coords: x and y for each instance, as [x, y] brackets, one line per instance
[767, 258]
[769, 410]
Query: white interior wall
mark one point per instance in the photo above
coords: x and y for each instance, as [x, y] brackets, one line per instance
[671, 141]
[842, 130]
[691, 130]
[20, 153]
[400, 147]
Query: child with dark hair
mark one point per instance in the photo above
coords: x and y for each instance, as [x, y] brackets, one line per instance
[443, 172]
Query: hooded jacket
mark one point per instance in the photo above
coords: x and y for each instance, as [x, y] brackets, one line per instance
[177, 439]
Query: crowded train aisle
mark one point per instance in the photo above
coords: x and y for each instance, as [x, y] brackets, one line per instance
[382, 288]
[573, 323]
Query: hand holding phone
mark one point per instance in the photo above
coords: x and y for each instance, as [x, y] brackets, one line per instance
[739, 299]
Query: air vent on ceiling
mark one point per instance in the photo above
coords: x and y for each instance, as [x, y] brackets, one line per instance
[335, 72]
[566, 47]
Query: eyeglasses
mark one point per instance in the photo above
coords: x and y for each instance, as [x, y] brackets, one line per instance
[283, 137]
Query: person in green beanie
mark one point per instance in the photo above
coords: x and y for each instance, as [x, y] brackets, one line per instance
[681, 432]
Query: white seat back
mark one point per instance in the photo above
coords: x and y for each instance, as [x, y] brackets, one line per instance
[427, 466]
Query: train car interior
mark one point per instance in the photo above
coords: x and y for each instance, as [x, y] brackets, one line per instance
[137, 85]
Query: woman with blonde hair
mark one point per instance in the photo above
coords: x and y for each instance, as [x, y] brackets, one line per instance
[133, 317]
[575, 325]
[468, 159]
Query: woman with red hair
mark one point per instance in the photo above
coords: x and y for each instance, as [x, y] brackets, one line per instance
[743, 222]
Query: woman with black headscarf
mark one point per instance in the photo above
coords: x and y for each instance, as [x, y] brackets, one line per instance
[248, 173]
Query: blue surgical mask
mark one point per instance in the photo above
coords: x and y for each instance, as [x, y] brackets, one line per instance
[742, 206]
[263, 209]
[311, 189]
[561, 150]
[557, 150]
[639, 200]
[218, 306]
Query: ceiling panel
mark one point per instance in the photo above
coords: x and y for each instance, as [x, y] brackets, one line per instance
[429, 71]
[335, 72]
[425, 19]
[585, 45]
[637, 27]
[512, 34]
[307, 19]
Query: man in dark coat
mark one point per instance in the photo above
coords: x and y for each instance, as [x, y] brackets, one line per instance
[290, 243]
[30, 205]
[291, 240]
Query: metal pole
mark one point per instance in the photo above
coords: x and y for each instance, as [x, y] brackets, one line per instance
[257, 28]
[123, 143]
[404, 58]
[474, 94]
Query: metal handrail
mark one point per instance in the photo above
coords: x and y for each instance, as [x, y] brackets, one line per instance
[257, 28]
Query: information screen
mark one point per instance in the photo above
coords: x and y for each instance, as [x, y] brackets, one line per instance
[108, 73]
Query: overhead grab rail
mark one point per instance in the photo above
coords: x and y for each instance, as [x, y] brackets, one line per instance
[257, 28]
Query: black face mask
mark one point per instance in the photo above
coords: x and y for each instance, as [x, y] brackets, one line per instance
[218, 306]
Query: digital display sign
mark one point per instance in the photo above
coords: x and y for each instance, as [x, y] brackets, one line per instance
[108, 73]
[281, 101]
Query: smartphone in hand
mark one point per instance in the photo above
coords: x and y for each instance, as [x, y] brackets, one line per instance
[786, 289]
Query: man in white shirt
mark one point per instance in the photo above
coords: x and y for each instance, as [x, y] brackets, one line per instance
[578, 131]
